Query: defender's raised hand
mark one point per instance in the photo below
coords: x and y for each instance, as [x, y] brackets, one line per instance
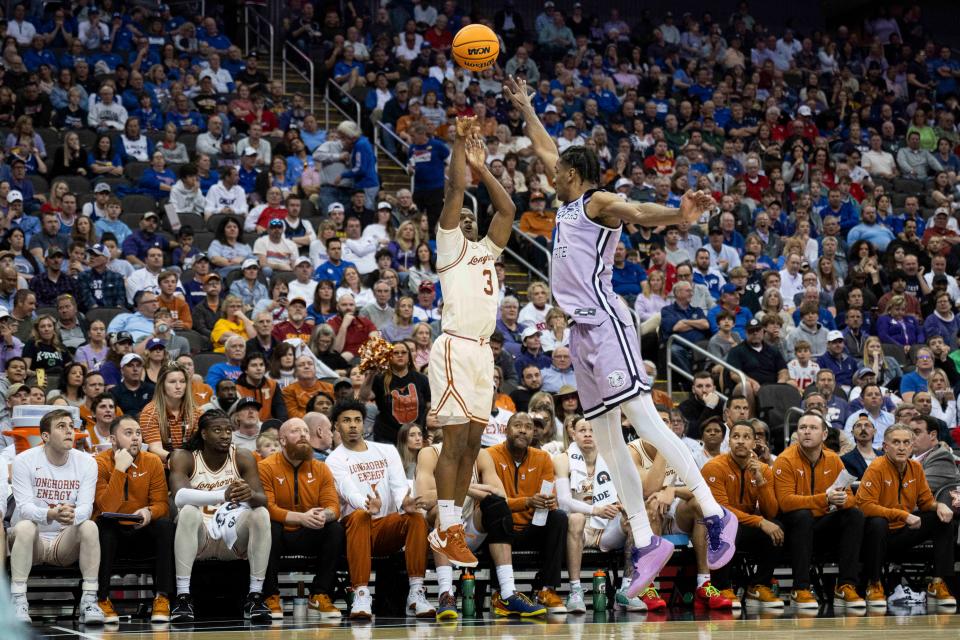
[516, 92]
[694, 204]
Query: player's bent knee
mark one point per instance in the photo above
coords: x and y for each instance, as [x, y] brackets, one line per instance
[576, 522]
[190, 517]
[88, 531]
[260, 518]
[25, 529]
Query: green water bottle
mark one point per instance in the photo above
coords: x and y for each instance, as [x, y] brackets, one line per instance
[467, 589]
[599, 590]
[348, 596]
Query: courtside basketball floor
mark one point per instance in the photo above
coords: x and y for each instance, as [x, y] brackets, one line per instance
[678, 624]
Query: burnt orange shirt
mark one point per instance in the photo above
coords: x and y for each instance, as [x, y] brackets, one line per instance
[143, 485]
[538, 224]
[886, 493]
[801, 485]
[296, 396]
[736, 489]
[179, 310]
[523, 480]
[308, 486]
[179, 432]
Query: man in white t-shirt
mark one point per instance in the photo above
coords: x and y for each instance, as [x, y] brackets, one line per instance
[303, 285]
[377, 510]
[54, 486]
[274, 251]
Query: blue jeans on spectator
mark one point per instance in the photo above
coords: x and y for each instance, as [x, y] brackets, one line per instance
[370, 197]
[330, 194]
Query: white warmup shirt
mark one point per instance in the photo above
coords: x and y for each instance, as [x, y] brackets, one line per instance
[39, 485]
[360, 474]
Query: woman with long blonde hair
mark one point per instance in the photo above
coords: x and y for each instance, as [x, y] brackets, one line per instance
[170, 418]
[404, 245]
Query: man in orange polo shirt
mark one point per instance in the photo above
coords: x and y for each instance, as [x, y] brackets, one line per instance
[131, 481]
[304, 512]
[815, 514]
[901, 513]
[522, 470]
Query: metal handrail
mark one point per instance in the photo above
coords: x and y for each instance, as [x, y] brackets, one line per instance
[532, 269]
[703, 352]
[287, 46]
[532, 241]
[329, 101]
[258, 33]
[376, 141]
[786, 424]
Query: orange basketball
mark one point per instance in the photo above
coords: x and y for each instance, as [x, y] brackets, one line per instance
[475, 47]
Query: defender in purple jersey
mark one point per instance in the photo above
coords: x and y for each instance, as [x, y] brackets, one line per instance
[603, 340]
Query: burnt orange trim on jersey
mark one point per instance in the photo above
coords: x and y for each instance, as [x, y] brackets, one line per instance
[451, 390]
[463, 252]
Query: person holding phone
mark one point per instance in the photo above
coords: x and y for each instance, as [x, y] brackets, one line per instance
[131, 482]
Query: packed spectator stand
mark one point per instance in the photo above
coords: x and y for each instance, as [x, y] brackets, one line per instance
[168, 207]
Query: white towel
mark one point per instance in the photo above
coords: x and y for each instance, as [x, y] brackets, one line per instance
[223, 524]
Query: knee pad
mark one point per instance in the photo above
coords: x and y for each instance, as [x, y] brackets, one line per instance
[497, 520]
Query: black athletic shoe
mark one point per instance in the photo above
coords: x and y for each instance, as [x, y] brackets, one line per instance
[183, 610]
[255, 610]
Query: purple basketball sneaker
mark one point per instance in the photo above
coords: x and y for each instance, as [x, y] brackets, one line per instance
[647, 563]
[721, 538]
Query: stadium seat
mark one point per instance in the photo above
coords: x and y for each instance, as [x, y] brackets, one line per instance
[197, 342]
[88, 138]
[192, 220]
[77, 184]
[132, 220]
[46, 311]
[214, 221]
[115, 182]
[773, 401]
[285, 276]
[135, 203]
[134, 170]
[104, 314]
[40, 184]
[203, 361]
[51, 138]
[895, 351]
[202, 239]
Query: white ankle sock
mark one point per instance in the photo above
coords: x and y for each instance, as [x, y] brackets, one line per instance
[640, 527]
[505, 578]
[702, 579]
[416, 583]
[449, 514]
[183, 585]
[256, 584]
[445, 579]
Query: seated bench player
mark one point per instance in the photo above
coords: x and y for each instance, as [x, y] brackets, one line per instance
[304, 517]
[54, 487]
[673, 509]
[486, 518]
[133, 481]
[378, 512]
[222, 514]
[901, 513]
[744, 485]
[586, 493]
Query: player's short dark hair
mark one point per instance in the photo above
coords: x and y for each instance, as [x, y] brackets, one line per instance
[584, 161]
[46, 422]
[119, 419]
[347, 405]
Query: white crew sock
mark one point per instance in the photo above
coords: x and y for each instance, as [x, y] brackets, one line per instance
[505, 578]
[416, 583]
[256, 584]
[575, 585]
[449, 514]
[702, 579]
[183, 585]
[445, 579]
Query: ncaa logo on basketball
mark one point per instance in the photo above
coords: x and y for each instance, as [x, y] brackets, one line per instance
[617, 379]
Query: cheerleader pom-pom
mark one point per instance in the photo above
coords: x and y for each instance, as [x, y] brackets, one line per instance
[375, 355]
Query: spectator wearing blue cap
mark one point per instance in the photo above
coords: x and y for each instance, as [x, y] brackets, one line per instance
[730, 301]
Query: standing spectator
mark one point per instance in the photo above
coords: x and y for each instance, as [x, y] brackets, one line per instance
[362, 162]
[428, 159]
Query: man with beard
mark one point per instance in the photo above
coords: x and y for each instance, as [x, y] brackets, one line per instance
[132, 481]
[304, 511]
[222, 512]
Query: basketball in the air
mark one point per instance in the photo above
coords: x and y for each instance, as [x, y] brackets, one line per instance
[475, 47]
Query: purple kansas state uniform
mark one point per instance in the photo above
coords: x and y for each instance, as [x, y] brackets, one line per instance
[603, 339]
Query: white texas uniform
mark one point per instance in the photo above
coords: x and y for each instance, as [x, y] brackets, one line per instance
[224, 523]
[461, 362]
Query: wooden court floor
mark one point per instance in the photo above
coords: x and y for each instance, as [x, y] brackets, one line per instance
[676, 625]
